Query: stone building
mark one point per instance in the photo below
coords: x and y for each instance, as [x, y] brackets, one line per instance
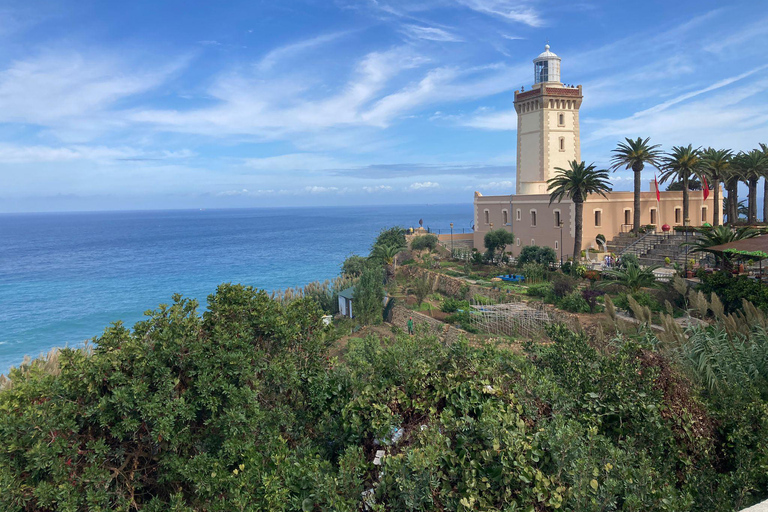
[548, 137]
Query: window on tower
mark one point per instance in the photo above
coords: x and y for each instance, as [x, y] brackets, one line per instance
[561, 120]
[542, 72]
[562, 143]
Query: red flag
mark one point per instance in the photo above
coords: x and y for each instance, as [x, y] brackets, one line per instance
[656, 182]
[705, 187]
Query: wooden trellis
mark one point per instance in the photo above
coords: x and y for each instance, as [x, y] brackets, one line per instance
[510, 319]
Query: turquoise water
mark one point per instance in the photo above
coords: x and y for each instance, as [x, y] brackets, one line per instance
[64, 277]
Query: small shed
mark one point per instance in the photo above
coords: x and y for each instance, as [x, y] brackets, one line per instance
[345, 301]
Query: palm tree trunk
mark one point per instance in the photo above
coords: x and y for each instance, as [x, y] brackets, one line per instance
[765, 199]
[717, 205]
[733, 202]
[638, 184]
[579, 212]
[685, 199]
[752, 202]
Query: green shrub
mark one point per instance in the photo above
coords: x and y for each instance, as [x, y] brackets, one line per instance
[537, 254]
[642, 297]
[541, 290]
[574, 303]
[732, 290]
[451, 305]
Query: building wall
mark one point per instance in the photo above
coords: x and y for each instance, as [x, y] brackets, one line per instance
[530, 151]
[612, 218]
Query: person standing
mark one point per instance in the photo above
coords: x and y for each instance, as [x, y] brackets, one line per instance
[410, 325]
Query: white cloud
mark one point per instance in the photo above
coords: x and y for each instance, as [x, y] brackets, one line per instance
[378, 188]
[431, 34]
[493, 121]
[292, 50]
[511, 10]
[423, 185]
[58, 86]
[320, 190]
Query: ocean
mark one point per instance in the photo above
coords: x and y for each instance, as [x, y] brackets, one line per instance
[64, 277]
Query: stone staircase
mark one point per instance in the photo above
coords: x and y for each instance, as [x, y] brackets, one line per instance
[652, 248]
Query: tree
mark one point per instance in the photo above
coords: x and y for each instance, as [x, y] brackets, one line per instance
[634, 154]
[577, 183]
[716, 164]
[354, 265]
[632, 277]
[710, 237]
[369, 296]
[537, 254]
[421, 288]
[681, 164]
[387, 256]
[751, 167]
[764, 149]
[393, 237]
[497, 240]
[731, 178]
[424, 243]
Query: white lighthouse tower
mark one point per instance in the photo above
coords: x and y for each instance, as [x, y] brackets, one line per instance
[547, 126]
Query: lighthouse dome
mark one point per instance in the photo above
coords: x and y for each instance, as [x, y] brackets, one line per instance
[546, 67]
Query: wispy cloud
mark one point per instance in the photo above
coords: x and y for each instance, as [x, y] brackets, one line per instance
[511, 10]
[423, 185]
[430, 34]
[291, 51]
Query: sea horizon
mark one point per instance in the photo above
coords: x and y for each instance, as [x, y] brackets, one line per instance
[66, 276]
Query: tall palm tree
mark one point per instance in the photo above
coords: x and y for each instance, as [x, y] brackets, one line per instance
[764, 148]
[681, 164]
[715, 165]
[719, 235]
[731, 179]
[751, 166]
[634, 154]
[576, 183]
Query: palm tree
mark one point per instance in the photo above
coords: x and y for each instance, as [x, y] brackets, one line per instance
[731, 178]
[716, 163]
[710, 237]
[387, 255]
[764, 148]
[634, 154]
[751, 166]
[576, 183]
[632, 277]
[681, 163]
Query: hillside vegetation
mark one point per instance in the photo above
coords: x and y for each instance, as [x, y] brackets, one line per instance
[241, 408]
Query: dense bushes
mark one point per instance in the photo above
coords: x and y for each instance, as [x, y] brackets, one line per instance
[537, 254]
[732, 290]
[241, 409]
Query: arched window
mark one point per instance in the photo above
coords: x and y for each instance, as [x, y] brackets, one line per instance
[562, 143]
[517, 242]
[557, 218]
[598, 218]
[505, 216]
[487, 216]
[678, 215]
[703, 214]
[556, 245]
[519, 214]
[627, 216]
[533, 218]
[561, 119]
[533, 242]
[653, 216]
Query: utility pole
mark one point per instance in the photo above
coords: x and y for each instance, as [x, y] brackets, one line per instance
[451, 239]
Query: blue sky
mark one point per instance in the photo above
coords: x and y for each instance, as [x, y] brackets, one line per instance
[187, 104]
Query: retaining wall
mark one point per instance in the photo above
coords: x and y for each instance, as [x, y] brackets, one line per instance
[446, 332]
